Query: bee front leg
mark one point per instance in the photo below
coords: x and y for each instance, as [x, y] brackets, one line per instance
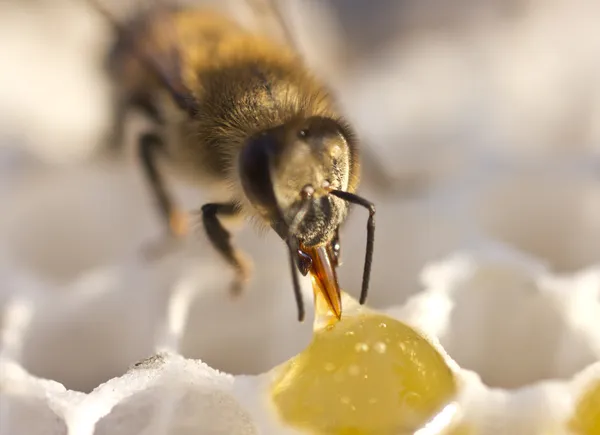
[176, 220]
[221, 240]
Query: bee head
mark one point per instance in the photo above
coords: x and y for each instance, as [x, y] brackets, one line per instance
[288, 171]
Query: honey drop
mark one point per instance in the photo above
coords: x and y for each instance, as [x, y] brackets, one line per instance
[359, 377]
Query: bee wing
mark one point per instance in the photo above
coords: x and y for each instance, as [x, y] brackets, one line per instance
[152, 38]
[162, 52]
[271, 10]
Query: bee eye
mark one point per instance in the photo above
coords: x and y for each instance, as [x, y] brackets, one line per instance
[255, 161]
[303, 133]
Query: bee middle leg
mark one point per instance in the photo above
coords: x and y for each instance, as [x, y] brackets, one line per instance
[150, 144]
[221, 240]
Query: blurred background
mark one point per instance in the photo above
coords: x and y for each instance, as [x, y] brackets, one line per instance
[482, 124]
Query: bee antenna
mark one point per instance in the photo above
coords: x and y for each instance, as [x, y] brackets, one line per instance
[283, 24]
[307, 193]
[358, 200]
[292, 244]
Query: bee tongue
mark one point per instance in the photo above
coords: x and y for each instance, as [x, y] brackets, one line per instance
[324, 279]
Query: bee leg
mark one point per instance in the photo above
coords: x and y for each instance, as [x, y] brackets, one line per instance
[221, 240]
[122, 106]
[176, 220]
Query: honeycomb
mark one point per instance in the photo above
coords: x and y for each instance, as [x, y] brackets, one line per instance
[484, 308]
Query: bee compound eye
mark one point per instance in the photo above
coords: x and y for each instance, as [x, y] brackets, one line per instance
[255, 170]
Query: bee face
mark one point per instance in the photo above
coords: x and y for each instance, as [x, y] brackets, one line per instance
[291, 168]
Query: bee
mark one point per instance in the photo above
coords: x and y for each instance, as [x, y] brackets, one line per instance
[238, 110]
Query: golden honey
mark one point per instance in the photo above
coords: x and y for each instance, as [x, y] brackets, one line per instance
[586, 420]
[364, 374]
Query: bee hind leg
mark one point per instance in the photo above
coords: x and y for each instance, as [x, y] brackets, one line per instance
[220, 238]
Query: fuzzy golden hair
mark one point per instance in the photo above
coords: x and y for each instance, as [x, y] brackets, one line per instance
[242, 83]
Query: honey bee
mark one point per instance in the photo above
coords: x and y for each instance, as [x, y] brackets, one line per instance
[236, 109]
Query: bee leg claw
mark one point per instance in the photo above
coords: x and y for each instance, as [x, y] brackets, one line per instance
[179, 224]
[177, 221]
[237, 287]
[243, 272]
